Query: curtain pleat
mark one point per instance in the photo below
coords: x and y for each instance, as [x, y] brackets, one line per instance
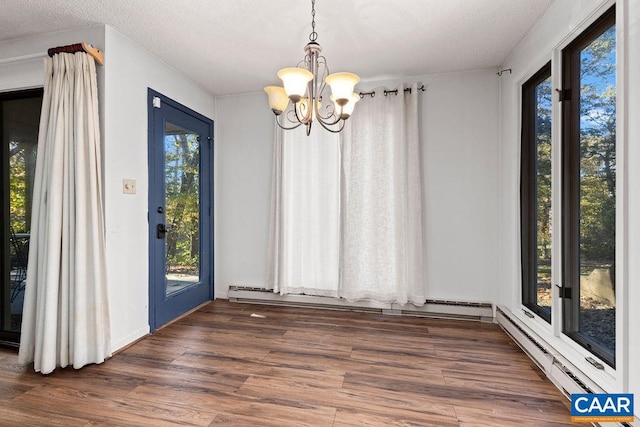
[305, 213]
[381, 250]
[274, 253]
[66, 312]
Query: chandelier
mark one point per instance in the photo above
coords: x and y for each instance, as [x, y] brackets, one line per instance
[300, 101]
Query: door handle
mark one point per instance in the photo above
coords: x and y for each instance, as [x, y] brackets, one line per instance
[161, 231]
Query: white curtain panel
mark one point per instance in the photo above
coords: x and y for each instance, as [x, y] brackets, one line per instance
[66, 314]
[382, 252]
[305, 213]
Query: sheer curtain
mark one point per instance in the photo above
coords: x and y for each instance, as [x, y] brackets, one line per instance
[346, 215]
[66, 314]
[381, 201]
[305, 213]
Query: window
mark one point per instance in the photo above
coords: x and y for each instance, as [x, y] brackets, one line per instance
[19, 121]
[535, 193]
[589, 188]
[586, 209]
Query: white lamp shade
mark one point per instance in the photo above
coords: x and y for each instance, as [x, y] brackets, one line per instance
[347, 109]
[295, 81]
[278, 99]
[342, 84]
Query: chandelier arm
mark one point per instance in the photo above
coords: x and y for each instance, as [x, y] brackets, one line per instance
[329, 115]
[291, 115]
[322, 71]
[287, 127]
[326, 126]
[325, 120]
[328, 123]
[322, 64]
[305, 119]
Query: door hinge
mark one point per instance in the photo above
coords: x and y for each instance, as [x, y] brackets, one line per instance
[199, 138]
[564, 94]
[157, 103]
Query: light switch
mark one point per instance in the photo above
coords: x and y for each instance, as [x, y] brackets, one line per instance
[129, 186]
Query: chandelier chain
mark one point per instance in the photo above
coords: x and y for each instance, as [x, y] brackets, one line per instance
[313, 36]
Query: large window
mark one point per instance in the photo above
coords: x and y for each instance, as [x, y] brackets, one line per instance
[586, 207]
[536, 193]
[589, 187]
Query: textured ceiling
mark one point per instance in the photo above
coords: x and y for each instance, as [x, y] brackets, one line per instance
[233, 46]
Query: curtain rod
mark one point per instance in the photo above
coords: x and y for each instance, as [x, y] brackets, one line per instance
[387, 92]
[72, 48]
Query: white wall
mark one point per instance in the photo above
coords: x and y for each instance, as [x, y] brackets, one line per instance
[459, 132]
[129, 71]
[562, 22]
[244, 142]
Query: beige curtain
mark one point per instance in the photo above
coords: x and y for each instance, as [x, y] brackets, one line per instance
[305, 213]
[381, 254]
[66, 313]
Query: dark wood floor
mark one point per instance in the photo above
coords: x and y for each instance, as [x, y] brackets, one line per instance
[252, 365]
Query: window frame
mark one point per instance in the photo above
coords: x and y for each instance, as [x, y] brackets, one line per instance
[528, 194]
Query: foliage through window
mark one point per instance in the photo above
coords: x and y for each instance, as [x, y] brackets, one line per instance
[182, 160]
[535, 195]
[587, 210]
[589, 188]
[19, 122]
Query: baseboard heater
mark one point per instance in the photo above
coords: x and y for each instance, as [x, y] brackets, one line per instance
[460, 310]
[563, 374]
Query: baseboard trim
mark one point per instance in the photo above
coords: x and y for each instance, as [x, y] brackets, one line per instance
[129, 339]
[459, 310]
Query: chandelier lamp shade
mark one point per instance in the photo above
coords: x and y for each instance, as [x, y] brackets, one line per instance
[301, 99]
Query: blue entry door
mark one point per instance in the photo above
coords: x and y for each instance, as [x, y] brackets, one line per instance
[180, 220]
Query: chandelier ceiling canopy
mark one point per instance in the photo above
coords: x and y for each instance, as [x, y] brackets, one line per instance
[301, 99]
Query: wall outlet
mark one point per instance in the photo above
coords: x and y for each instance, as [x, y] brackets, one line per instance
[129, 186]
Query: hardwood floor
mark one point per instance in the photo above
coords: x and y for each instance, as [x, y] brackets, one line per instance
[253, 365]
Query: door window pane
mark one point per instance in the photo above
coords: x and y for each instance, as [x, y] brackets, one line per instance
[182, 204]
